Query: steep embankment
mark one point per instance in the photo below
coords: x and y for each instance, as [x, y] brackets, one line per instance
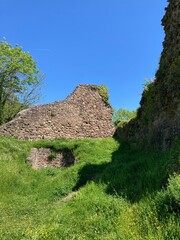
[158, 119]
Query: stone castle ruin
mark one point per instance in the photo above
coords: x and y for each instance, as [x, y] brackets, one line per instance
[83, 114]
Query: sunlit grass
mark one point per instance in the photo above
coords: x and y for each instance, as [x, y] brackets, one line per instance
[121, 193]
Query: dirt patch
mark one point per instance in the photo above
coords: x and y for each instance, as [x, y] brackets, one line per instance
[46, 157]
[69, 196]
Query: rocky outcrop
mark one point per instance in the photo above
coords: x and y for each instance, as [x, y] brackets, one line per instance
[82, 114]
[158, 118]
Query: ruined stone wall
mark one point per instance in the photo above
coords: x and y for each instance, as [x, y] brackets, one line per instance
[158, 120]
[41, 158]
[82, 114]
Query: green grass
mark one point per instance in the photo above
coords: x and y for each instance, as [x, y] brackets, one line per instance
[121, 193]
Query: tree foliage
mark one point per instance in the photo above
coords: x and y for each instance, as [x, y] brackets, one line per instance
[20, 81]
[123, 115]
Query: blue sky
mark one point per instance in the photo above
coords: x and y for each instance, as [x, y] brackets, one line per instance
[112, 42]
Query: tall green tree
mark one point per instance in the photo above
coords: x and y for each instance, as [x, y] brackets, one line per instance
[123, 115]
[20, 81]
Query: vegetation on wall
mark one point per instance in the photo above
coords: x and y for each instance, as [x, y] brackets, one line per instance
[147, 102]
[158, 117]
[103, 91]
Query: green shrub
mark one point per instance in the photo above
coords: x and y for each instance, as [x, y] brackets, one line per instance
[174, 188]
[103, 91]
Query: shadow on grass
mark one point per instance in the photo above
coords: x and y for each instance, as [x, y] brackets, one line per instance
[132, 173]
[90, 172]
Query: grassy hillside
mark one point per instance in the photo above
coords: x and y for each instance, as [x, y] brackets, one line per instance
[120, 193]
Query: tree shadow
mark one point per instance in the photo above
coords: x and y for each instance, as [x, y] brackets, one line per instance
[132, 173]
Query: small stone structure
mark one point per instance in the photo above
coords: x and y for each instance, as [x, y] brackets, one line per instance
[42, 157]
[82, 114]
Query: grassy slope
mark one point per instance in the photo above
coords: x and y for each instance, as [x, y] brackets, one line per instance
[121, 193]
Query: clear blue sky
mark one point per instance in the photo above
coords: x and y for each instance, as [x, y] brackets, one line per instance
[112, 42]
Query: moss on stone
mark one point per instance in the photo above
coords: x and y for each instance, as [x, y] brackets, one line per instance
[103, 91]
